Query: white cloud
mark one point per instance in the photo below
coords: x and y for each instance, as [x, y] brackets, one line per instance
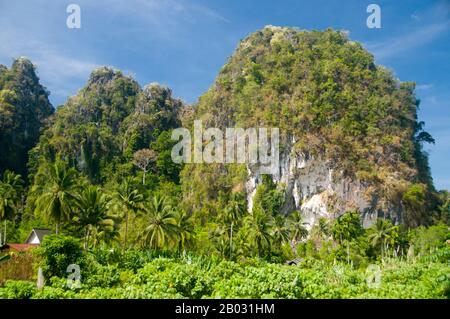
[424, 86]
[427, 25]
[38, 31]
[57, 70]
[162, 17]
[406, 42]
[210, 13]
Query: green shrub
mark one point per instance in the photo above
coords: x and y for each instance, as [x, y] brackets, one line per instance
[18, 290]
[189, 276]
[428, 239]
[57, 252]
[102, 276]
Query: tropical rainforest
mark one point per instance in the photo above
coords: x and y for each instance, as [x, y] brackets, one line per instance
[97, 171]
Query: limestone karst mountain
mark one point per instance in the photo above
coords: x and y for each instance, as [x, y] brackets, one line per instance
[350, 135]
[98, 130]
[24, 107]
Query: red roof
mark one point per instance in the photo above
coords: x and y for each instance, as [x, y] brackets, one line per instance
[21, 247]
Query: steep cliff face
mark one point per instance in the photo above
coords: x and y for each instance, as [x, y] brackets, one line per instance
[350, 139]
[312, 186]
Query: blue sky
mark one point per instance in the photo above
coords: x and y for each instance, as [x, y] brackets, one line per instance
[183, 44]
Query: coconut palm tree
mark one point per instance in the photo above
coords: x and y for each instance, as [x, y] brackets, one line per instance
[92, 208]
[234, 210]
[10, 193]
[257, 226]
[14, 180]
[219, 237]
[297, 226]
[381, 234]
[280, 231]
[323, 227]
[7, 208]
[57, 196]
[106, 232]
[185, 229]
[130, 198]
[161, 223]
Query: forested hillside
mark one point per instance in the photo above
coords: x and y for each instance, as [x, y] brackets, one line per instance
[24, 106]
[354, 188]
[99, 130]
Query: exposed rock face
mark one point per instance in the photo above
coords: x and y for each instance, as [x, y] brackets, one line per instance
[313, 187]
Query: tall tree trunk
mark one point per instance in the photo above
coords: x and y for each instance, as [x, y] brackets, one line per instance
[348, 253]
[86, 238]
[293, 245]
[126, 230]
[231, 239]
[57, 228]
[2, 241]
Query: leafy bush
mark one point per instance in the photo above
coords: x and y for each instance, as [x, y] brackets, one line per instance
[187, 280]
[427, 239]
[57, 253]
[201, 278]
[102, 276]
[18, 290]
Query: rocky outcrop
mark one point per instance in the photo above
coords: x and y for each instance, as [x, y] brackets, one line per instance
[315, 188]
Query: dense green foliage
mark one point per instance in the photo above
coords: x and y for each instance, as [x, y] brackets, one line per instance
[110, 274]
[57, 253]
[98, 131]
[100, 175]
[24, 106]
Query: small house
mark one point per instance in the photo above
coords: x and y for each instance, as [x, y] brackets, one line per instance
[34, 239]
[37, 235]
